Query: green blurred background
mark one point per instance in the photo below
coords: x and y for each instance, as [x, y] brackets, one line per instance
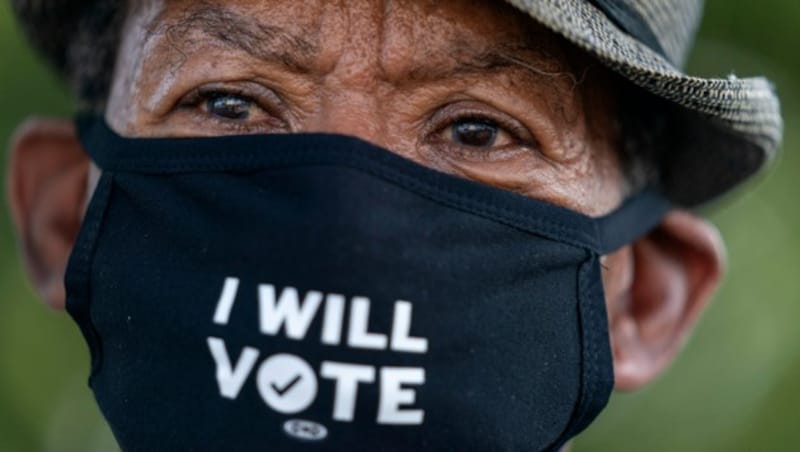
[735, 388]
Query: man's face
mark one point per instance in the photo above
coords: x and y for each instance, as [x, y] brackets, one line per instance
[471, 88]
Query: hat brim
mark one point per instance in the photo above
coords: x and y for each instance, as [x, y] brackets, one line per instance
[731, 127]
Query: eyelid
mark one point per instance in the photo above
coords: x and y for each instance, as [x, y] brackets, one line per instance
[457, 111]
[265, 98]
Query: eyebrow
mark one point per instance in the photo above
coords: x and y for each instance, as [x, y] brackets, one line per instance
[469, 62]
[232, 29]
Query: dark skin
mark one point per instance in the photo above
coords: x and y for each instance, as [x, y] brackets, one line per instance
[474, 89]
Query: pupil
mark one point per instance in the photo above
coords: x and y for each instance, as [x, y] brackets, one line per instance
[475, 133]
[229, 107]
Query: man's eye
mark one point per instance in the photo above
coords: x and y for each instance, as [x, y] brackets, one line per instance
[233, 108]
[474, 133]
[477, 133]
[229, 106]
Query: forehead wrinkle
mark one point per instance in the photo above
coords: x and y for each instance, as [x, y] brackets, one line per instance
[232, 29]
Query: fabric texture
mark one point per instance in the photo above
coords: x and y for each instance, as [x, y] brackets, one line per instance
[721, 131]
[482, 316]
[728, 129]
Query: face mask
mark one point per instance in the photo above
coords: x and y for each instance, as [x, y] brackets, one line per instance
[292, 292]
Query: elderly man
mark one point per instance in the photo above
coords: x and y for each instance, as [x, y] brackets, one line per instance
[377, 225]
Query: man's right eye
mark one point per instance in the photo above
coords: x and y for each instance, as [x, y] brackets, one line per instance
[241, 108]
[229, 106]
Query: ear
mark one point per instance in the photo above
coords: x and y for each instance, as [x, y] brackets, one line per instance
[656, 289]
[47, 186]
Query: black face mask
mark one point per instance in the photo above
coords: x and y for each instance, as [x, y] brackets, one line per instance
[292, 292]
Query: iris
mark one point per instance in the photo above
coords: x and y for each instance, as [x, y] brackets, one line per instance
[229, 107]
[476, 133]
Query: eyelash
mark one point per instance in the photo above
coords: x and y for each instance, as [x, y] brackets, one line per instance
[511, 129]
[199, 96]
[445, 118]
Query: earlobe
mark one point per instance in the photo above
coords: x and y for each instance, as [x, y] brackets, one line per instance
[47, 186]
[673, 272]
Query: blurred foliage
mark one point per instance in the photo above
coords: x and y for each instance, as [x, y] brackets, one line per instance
[735, 388]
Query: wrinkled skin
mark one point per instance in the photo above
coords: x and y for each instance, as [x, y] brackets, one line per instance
[401, 74]
[471, 88]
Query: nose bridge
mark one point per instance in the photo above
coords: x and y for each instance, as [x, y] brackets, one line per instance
[351, 111]
[352, 94]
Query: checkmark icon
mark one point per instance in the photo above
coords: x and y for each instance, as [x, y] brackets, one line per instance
[283, 390]
[287, 383]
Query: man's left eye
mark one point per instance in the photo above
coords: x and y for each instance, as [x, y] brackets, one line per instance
[477, 133]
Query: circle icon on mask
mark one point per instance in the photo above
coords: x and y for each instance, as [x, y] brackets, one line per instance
[287, 383]
[305, 430]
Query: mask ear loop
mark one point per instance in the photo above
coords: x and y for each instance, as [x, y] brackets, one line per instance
[637, 216]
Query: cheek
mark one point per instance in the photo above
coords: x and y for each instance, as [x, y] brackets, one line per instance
[592, 181]
[601, 181]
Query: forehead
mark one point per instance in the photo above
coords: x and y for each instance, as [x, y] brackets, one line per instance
[397, 36]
